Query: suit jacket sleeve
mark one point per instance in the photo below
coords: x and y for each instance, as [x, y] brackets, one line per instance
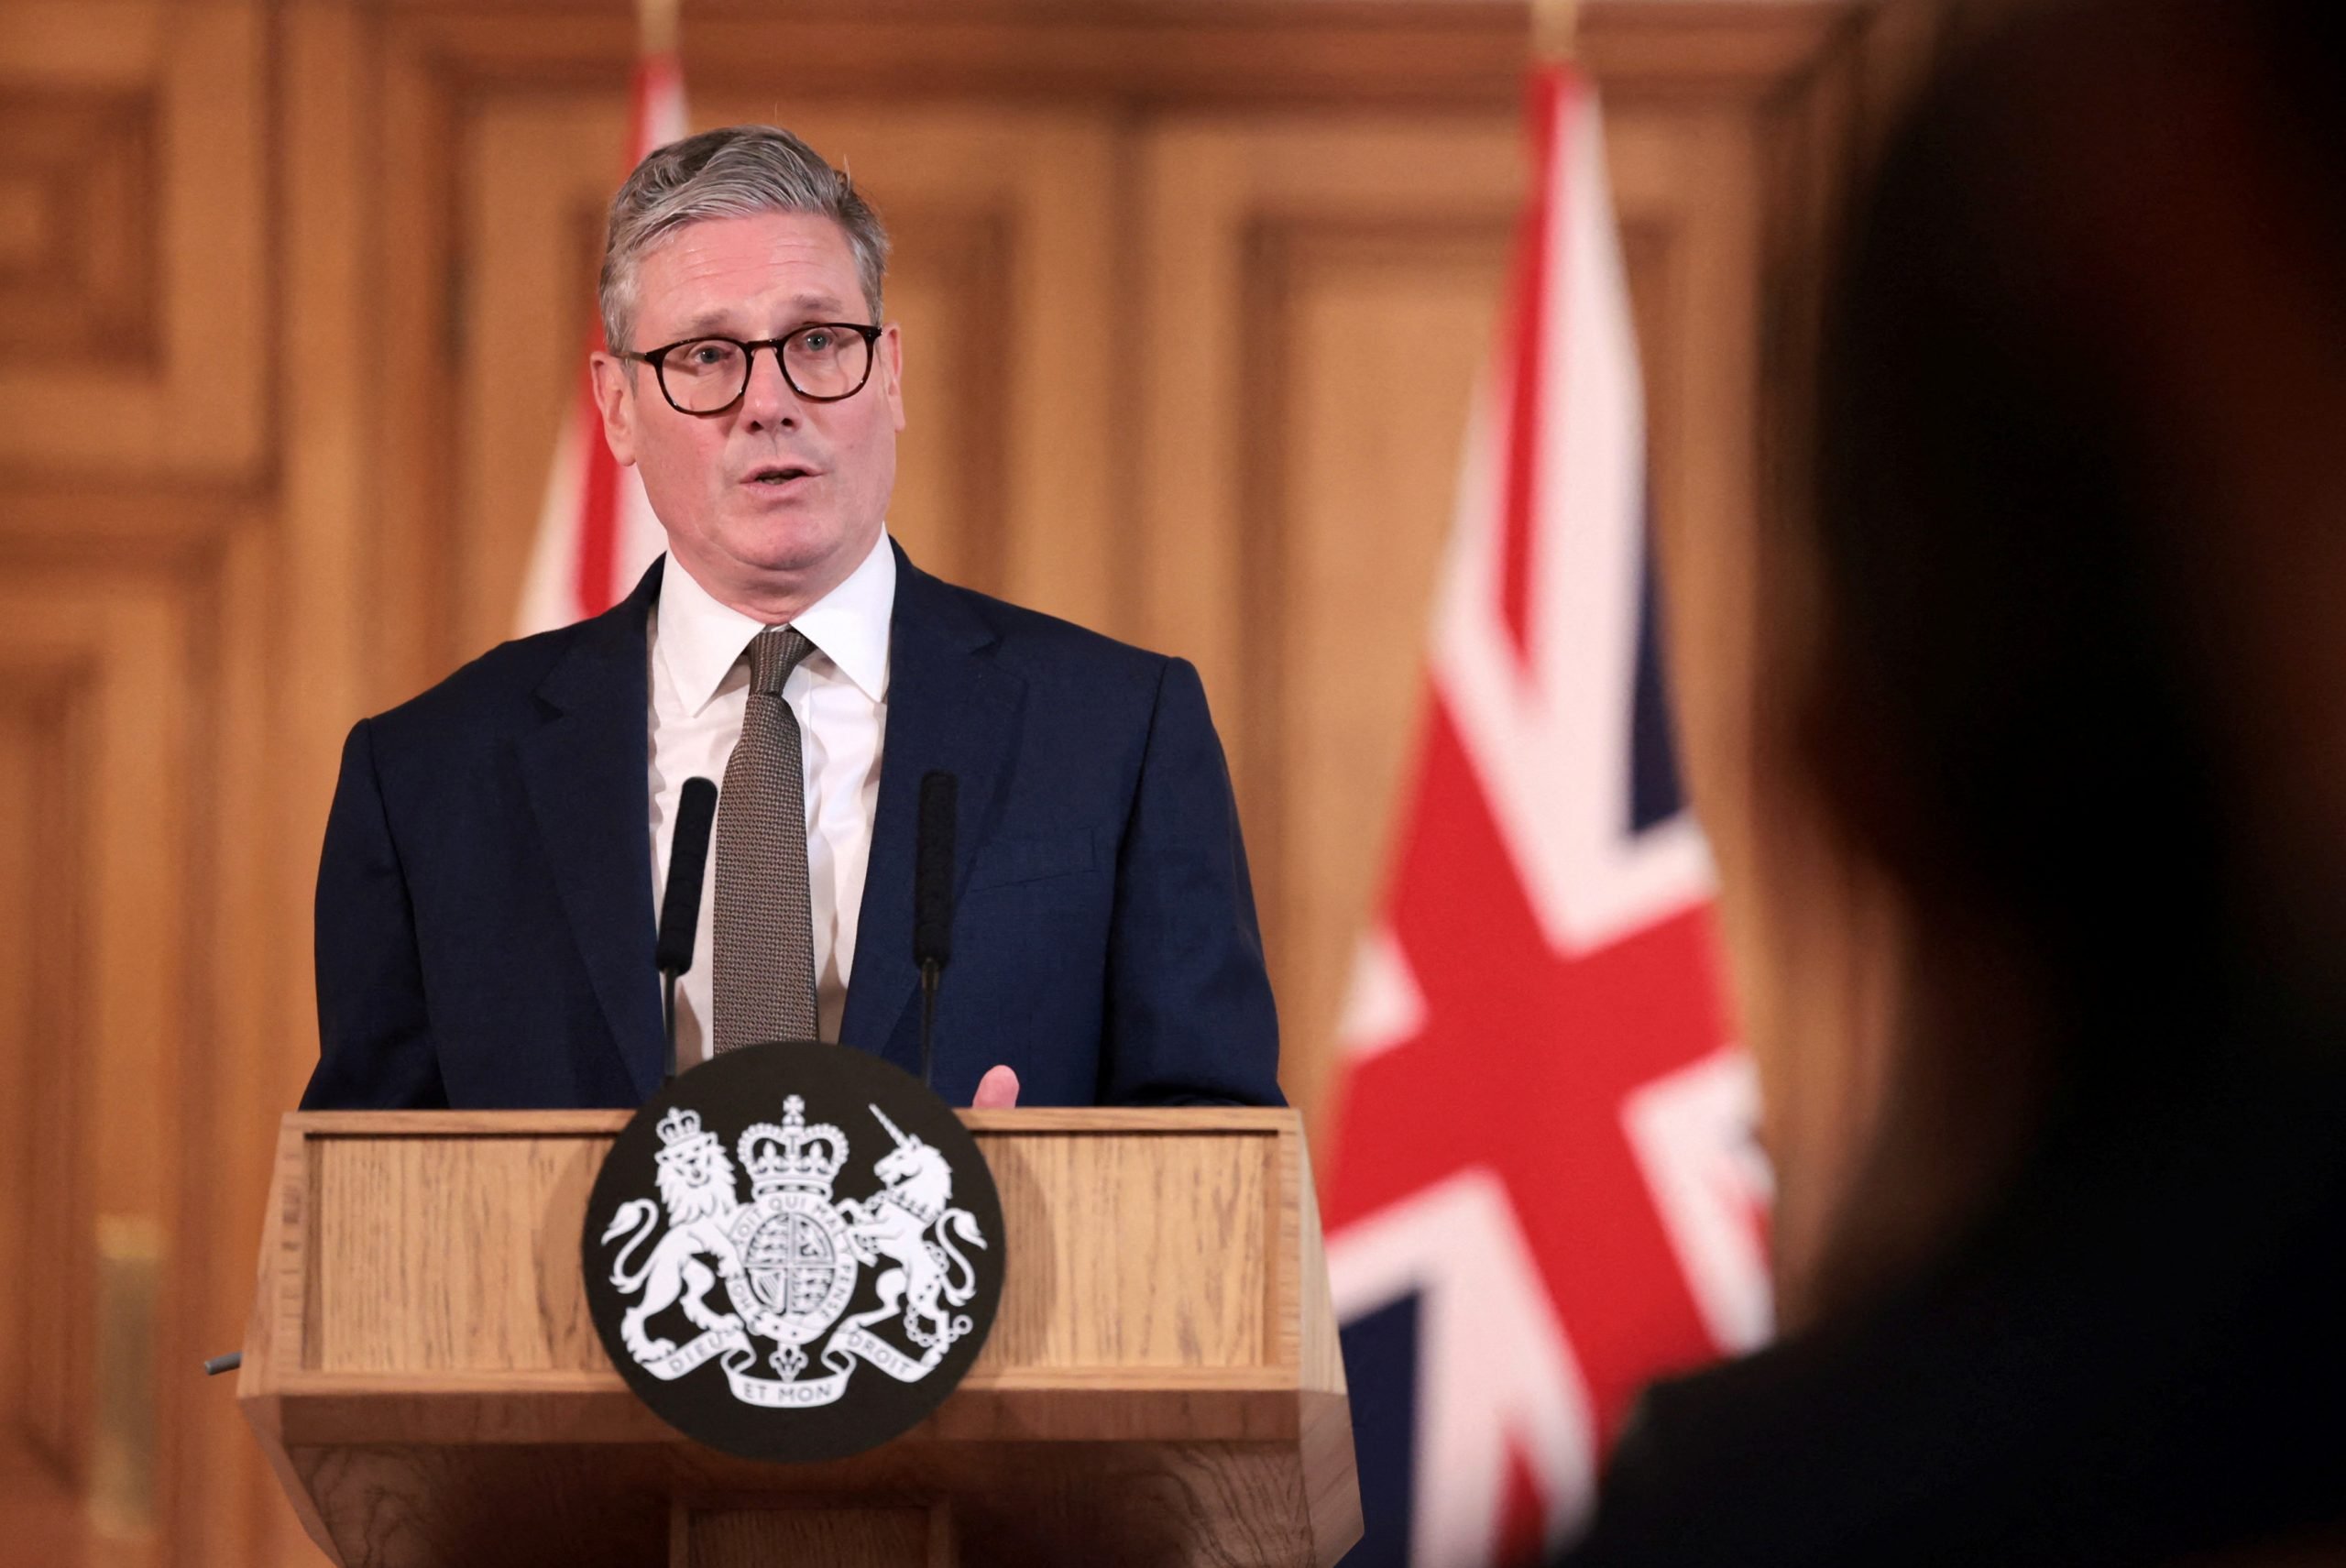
[374, 1031]
[1189, 1011]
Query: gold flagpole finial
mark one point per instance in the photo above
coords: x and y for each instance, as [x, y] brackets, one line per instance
[656, 25]
[1555, 29]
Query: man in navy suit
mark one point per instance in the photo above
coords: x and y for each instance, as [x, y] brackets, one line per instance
[486, 911]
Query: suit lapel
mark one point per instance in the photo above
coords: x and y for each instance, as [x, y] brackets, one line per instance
[586, 771]
[951, 709]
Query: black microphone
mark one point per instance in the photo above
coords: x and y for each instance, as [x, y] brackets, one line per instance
[680, 905]
[933, 896]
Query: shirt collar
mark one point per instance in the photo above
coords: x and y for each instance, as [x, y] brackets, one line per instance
[700, 640]
[850, 623]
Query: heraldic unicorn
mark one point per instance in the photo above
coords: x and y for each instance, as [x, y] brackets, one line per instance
[789, 1258]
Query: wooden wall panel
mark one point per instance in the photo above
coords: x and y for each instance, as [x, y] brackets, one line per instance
[137, 336]
[1390, 328]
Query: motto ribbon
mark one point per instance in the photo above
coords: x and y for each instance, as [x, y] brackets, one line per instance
[838, 1353]
[697, 1353]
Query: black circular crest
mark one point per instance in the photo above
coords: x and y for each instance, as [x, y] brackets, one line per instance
[793, 1252]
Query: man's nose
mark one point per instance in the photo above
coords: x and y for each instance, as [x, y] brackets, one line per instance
[768, 400]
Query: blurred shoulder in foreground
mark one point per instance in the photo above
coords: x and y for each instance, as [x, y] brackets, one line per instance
[2082, 521]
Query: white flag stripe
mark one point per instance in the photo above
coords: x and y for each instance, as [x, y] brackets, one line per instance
[1548, 742]
[1382, 1007]
[1692, 1132]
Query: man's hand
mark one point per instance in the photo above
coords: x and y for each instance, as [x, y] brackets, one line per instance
[997, 1091]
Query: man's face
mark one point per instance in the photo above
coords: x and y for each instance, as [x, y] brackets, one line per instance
[775, 500]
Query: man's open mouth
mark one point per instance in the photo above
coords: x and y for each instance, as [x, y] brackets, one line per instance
[780, 474]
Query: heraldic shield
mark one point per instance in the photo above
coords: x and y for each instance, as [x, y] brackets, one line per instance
[793, 1252]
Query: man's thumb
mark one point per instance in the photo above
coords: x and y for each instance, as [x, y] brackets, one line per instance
[997, 1091]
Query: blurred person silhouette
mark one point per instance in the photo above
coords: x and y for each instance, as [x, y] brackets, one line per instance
[2081, 518]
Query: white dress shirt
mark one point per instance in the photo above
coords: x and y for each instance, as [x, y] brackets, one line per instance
[700, 683]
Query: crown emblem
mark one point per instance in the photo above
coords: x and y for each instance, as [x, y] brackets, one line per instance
[794, 1157]
[681, 1137]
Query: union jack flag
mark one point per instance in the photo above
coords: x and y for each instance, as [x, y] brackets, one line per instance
[596, 533]
[1544, 1188]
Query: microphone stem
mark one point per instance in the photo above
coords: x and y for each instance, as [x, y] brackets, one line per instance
[929, 971]
[668, 1017]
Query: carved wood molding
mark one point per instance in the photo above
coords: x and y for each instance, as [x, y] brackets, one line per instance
[1470, 53]
[78, 271]
[109, 526]
[44, 729]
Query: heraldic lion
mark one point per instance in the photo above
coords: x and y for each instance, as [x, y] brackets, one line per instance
[696, 1186]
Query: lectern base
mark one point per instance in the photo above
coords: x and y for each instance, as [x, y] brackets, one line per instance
[715, 1534]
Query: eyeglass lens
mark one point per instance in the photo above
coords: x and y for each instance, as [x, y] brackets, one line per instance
[707, 374]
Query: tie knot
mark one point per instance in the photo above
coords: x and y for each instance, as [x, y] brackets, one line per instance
[773, 653]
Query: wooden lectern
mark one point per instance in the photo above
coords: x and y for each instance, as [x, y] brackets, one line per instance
[1161, 1386]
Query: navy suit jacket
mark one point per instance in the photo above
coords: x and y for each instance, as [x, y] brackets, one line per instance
[485, 916]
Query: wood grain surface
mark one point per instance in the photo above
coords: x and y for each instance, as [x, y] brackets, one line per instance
[907, 1537]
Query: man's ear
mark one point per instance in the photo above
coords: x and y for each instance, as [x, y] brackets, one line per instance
[891, 350]
[615, 400]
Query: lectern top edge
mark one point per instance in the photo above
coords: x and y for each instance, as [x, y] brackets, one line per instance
[1179, 1120]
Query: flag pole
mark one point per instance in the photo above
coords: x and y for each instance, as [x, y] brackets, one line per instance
[656, 25]
[1555, 32]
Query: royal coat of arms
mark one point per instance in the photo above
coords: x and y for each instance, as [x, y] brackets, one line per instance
[781, 1269]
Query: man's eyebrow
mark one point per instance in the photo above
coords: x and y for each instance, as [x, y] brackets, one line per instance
[805, 307]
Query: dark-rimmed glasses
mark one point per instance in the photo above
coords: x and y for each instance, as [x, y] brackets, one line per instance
[823, 361]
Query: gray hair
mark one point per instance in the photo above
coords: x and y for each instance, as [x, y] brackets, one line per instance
[737, 171]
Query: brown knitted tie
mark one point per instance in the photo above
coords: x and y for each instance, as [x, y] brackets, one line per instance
[765, 921]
